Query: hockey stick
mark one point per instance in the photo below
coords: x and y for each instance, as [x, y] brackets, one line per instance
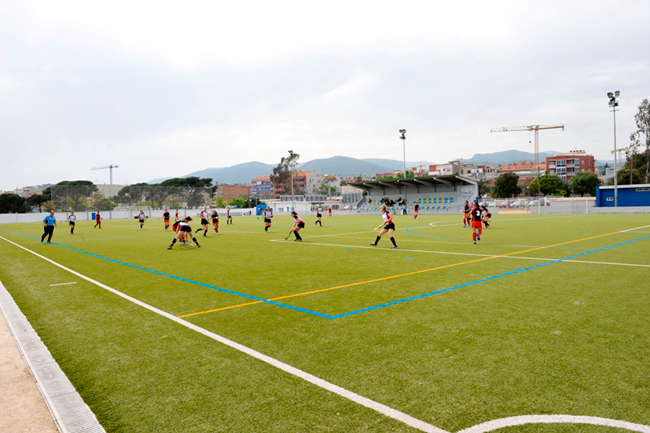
[290, 231]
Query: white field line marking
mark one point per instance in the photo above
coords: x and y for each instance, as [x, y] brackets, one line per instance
[553, 419]
[637, 228]
[339, 234]
[541, 259]
[501, 222]
[371, 404]
[62, 284]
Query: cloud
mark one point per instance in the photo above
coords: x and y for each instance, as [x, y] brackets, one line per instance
[8, 84]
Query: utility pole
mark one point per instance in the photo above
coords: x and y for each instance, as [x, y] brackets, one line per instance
[403, 137]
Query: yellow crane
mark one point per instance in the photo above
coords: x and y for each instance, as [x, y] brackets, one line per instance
[535, 128]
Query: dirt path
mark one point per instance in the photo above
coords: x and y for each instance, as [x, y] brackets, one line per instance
[22, 408]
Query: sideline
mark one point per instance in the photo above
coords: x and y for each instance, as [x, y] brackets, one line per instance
[69, 412]
[371, 404]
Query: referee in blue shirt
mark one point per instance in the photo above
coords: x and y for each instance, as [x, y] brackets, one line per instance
[49, 222]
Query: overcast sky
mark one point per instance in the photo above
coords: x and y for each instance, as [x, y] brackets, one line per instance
[167, 88]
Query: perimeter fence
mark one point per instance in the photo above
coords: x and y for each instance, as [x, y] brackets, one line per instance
[89, 198]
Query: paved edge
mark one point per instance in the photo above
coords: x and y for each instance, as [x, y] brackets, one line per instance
[70, 413]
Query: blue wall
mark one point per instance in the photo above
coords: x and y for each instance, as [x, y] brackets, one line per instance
[639, 195]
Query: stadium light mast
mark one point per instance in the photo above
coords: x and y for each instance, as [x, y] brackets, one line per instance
[403, 137]
[613, 103]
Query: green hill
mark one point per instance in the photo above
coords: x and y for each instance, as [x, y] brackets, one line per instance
[344, 166]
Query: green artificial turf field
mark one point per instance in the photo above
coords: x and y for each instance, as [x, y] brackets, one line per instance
[546, 315]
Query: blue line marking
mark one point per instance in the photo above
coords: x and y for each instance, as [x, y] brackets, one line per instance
[471, 283]
[231, 292]
[350, 313]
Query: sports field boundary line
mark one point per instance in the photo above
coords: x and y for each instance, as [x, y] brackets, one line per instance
[498, 424]
[321, 383]
[185, 280]
[636, 228]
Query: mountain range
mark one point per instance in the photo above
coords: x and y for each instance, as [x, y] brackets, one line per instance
[348, 167]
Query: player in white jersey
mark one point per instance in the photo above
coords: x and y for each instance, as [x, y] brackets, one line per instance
[319, 215]
[228, 216]
[268, 214]
[72, 219]
[388, 226]
[141, 218]
[298, 224]
[204, 221]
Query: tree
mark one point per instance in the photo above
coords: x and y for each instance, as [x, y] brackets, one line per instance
[191, 181]
[584, 182]
[282, 173]
[505, 186]
[72, 194]
[642, 119]
[12, 203]
[37, 200]
[220, 202]
[549, 184]
[623, 176]
[483, 188]
[631, 152]
[157, 194]
[533, 187]
[192, 188]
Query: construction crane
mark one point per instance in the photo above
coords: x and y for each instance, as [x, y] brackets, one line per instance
[110, 167]
[535, 128]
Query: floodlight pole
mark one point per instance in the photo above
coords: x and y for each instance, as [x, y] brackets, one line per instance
[403, 137]
[613, 102]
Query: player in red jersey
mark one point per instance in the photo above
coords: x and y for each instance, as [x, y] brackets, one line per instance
[177, 218]
[98, 220]
[298, 224]
[215, 220]
[416, 210]
[184, 230]
[330, 211]
[267, 214]
[166, 219]
[477, 224]
[388, 227]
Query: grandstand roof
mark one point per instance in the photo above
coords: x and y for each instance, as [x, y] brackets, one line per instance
[418, 181]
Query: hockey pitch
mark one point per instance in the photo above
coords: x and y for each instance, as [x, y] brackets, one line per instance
[542, 326]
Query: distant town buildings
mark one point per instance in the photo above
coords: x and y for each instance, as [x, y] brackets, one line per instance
[229, 192]
[262, 187]
[566, 165]
[521, 167]
[29, 190]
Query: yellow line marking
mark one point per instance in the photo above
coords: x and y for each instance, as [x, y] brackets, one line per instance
[398, 276]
